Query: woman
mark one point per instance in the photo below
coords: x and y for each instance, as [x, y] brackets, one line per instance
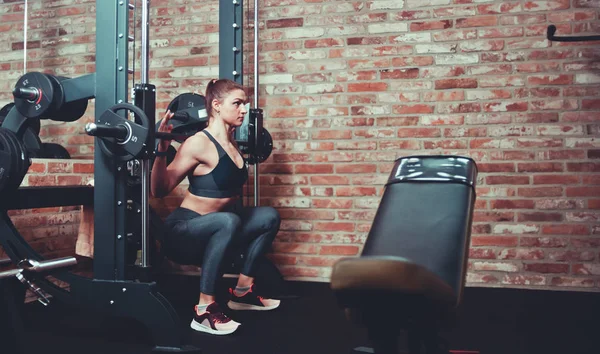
[209, 224]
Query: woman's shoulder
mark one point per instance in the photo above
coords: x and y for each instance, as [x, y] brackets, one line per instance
[196, 143]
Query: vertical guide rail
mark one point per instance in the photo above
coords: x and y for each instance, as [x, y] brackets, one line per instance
[144, 69]
[256, 133]
[109, 191]
[231, 42]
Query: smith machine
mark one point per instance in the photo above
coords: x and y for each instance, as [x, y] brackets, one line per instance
[120, 140]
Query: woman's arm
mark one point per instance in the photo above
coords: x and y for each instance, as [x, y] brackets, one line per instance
[165, 178]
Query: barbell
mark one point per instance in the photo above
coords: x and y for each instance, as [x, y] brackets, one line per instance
[42, 96]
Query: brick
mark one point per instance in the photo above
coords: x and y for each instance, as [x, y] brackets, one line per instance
[334, 226]
[494, 216]
[590, 104]
[455, 83]
[477, 21]
[494, 266]
[512, 155]
[590, 179]
[544, 242]
[540, 167]
[454, 35]
[366, 87]
[445, 144]
[547, 204]
[557, 268]
[418, 132]
[400, 74]
[550, 5]
[506, 241]
[539, 216]
[366, 40]
[368, 18]
[501, 81]
[528, 280]
[565, 229]
[571, 255]
[37, 167]
[331, 134]
[356, 168]
[482, 253]
[430, 25]
[556, 179]
[522, 254]
[539, 142]
[286, 22]
[445, 96]
[412, 61]
[572, 282]
[583, 167]
[512, 204]
[412, 109]
[454, 11]
[454, 108]
[591, 216]
[550, 79]
[345, 250]
[537, 192]
[585, 191]
[473, 278]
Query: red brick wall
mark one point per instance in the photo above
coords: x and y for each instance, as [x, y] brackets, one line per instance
[349, 86]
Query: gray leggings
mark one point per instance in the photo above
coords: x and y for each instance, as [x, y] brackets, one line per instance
[211, 240]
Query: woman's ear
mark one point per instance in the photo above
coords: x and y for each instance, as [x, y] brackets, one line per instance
[216, 105]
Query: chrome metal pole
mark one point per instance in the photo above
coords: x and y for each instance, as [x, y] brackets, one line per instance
[145, 43]
[256, 189]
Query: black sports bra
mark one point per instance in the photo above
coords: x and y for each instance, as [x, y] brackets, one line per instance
[224, 181]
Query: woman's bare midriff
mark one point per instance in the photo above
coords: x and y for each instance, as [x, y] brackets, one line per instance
[203, 205]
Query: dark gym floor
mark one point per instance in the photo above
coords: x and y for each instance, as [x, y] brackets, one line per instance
[503, 321]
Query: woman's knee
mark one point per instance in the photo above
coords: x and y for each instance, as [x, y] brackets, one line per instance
[270, 216]
[227, 222]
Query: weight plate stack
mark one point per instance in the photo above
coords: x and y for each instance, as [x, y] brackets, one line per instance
[15, 161]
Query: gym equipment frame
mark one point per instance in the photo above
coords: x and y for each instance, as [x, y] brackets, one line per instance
[109, 292]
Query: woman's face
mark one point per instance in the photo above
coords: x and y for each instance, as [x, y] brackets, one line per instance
[233, 108]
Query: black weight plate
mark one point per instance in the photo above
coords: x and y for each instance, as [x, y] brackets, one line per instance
[4, 111]
[44, 102]
[16, 155]
[263, 148]
[21, 156]
[5, 163]
[71, 111]
[187, 100]
[128, 150]
[58, 98]
[54, 151]
[32, 143]
[35, 125]
[14, 160]
[190, 114]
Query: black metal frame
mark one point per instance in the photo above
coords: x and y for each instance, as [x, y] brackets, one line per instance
[109, 293]
[231, 43]
[552, 30]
